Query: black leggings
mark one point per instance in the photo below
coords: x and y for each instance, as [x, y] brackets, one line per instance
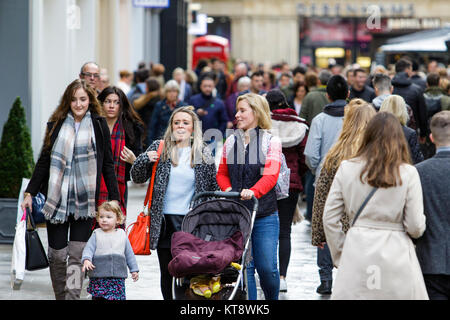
[286, 210]
[58, 234]
[164, 257]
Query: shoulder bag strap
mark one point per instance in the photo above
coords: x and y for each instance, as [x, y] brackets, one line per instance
[148, 196]
[363, 205]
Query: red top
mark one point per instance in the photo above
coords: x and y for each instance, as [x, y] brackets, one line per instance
[270, 172]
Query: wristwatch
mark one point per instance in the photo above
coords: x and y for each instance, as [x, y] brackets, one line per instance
[25, 194]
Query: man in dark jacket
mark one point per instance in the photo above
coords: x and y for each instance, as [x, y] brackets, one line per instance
[415, 78]
[404, 87]
[433, 247]
[210, 110]
[359, 89]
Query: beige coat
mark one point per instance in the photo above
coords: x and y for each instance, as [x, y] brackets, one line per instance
[376, 259]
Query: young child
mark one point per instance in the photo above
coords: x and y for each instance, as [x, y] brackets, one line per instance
[107, 254]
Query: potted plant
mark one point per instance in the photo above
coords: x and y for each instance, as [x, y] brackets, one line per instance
[17, 162]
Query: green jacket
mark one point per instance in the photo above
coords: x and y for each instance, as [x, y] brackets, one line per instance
[435, 92]
[313, 103]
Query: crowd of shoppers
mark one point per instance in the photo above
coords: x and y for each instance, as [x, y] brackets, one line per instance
[349, 137]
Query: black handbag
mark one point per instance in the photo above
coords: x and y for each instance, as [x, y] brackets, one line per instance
[36, 258]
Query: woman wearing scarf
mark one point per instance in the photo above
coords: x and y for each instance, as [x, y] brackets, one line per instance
[126, 128]
[75, 155]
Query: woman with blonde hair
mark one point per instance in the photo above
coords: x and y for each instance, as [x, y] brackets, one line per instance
[396, 105]
[357, 115]
[380, 192]
[250, 165]
[186, 168]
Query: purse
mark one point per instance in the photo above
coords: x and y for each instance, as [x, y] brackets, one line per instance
[364, 204]
[35, 256]
[139, 236]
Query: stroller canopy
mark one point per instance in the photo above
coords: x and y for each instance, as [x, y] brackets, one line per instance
[217, 220]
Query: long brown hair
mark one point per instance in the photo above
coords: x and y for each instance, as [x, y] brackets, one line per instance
[130, 118]
[357, 115]
[60, 114]
[384, 148]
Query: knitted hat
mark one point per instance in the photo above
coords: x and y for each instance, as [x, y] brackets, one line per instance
[276, 99]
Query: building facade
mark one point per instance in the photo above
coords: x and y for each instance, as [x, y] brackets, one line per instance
[49, 40]
[313, 31]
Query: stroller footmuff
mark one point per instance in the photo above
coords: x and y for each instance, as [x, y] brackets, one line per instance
[193, 255]
[210, 252]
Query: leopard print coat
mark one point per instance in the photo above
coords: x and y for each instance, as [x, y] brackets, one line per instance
[205, 180]
[323, 186]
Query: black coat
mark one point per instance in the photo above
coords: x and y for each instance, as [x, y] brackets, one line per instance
[433, 248]
[413, 95]
[413, 143]
[367, 94]
[105, 163]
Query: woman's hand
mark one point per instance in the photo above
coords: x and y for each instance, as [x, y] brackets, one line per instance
[152, 156]
[27, 202]
[247, 194]
[127, 155]
[87, 265]
[321, 245]
[135, 276]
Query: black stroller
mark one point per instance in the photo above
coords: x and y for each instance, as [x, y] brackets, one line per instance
[216, 220]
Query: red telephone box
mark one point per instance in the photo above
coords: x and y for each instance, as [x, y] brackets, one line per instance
[210, 46]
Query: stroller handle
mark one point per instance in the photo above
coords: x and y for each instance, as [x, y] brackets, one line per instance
[222, 194]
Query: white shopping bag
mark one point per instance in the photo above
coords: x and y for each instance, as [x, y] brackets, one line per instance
[19, 249]
[19, 254]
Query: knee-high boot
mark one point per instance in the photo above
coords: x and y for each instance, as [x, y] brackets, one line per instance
[75, 276]
[58, 267]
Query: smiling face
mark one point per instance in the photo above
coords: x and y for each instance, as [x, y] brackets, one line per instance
[182, 126]
[245, 116]
[111, 106]
[79, 104]
[107, 220]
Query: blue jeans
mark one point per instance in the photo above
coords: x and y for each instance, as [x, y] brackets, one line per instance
[264, 251]
[325, 263]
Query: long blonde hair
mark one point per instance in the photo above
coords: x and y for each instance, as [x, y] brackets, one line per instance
[197, 144]
[260, 107]
[396, 105]
[357, 115]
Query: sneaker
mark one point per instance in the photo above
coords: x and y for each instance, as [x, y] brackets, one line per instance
[283, 285]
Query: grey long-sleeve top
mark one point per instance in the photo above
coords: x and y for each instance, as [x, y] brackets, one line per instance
[110, 253]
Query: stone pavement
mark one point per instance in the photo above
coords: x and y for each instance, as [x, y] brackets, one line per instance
[302, 277]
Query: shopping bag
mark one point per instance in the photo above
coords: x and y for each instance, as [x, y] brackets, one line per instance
[18, 254]
[36, 257]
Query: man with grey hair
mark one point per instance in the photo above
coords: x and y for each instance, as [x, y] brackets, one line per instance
[433, 247]
[383, 89]
[90, 72]
[240, 70]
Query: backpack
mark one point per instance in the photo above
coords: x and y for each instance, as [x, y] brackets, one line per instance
[282, 186]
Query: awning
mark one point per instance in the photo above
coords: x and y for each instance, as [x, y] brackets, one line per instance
[420, 41]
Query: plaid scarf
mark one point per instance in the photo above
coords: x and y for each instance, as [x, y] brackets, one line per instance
[117, 145]
[73, 172]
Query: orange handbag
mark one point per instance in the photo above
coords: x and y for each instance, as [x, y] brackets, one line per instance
[139, 236]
